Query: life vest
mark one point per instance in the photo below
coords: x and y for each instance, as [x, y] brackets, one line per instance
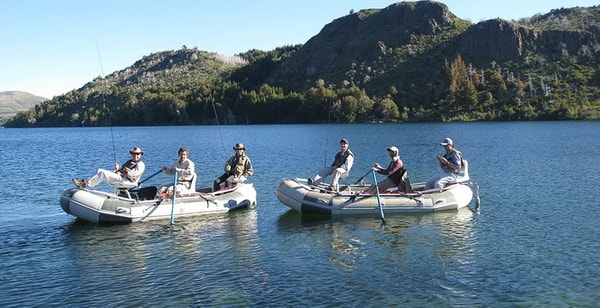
[238, 165]
[340, 158]
[450, 157]
[127, 166]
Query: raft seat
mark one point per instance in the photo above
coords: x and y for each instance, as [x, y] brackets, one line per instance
[463, 174]
[344, 176]
[123, 191]
[406, 187]
[192, 188]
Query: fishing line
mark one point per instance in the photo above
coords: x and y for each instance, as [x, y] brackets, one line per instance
[112, 136]
[327, 138]
[219, 127]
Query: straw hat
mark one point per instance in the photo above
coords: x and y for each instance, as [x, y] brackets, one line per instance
[136, 150]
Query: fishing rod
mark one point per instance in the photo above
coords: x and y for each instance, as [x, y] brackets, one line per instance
[218, 126]
[327, 138]
[112, 136]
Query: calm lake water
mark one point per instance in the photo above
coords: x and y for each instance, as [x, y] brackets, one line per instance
[534, 241]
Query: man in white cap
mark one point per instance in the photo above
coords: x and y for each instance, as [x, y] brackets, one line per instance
[394, 172]
[450, 162]
[126, 176]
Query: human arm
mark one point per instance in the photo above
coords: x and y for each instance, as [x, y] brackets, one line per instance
[188, 168]
[349, 162]
[184, 169]
[450, 162]
[135, 173]
[167, 170]
[442, 160]
[248, 169]
[228, 165]
[393, 167]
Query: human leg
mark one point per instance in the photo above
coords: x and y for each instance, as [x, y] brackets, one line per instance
[323, 174]
[109, 177]
[443, 181]
[381, 185]
[234, 180]
[385, 185]
[431, 182]
[219, 180]
[337, 173]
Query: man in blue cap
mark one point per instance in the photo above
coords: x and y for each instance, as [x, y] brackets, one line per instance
[450, 162]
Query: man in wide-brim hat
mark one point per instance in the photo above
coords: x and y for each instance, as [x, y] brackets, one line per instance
[126, 176]
[237, 169]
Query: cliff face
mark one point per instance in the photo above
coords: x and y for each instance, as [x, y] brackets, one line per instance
[500, 40]
[427, 33]
[496, 39]
[368, 34]
[567, 41]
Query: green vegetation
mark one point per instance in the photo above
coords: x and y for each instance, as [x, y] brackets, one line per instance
[418, 75]
[11, 102]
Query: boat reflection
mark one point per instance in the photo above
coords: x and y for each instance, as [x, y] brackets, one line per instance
[445, 234]
[144, 254]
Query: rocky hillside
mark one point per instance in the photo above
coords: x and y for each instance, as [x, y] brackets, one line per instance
[411, 39]
[12, 102]
[410, 61]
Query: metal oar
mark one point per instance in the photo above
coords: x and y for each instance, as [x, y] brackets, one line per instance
[146, 179]
[362, 177]
[174, 196]
[378, 197]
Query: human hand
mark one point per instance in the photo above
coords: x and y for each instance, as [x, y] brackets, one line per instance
[442, 160]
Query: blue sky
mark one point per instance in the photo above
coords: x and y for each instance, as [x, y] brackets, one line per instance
[50, 47]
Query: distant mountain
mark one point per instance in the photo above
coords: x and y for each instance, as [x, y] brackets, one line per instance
[12, 102]
[410, 61]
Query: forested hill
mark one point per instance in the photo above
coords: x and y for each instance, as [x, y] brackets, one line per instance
[410, 61]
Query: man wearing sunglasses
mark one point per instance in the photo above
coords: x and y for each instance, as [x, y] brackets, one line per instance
[125, 176]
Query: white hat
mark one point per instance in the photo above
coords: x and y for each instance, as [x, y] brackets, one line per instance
[394, 149]
[447, 141]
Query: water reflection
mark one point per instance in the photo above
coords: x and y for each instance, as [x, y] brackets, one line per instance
[187, 256]
[444, 234]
